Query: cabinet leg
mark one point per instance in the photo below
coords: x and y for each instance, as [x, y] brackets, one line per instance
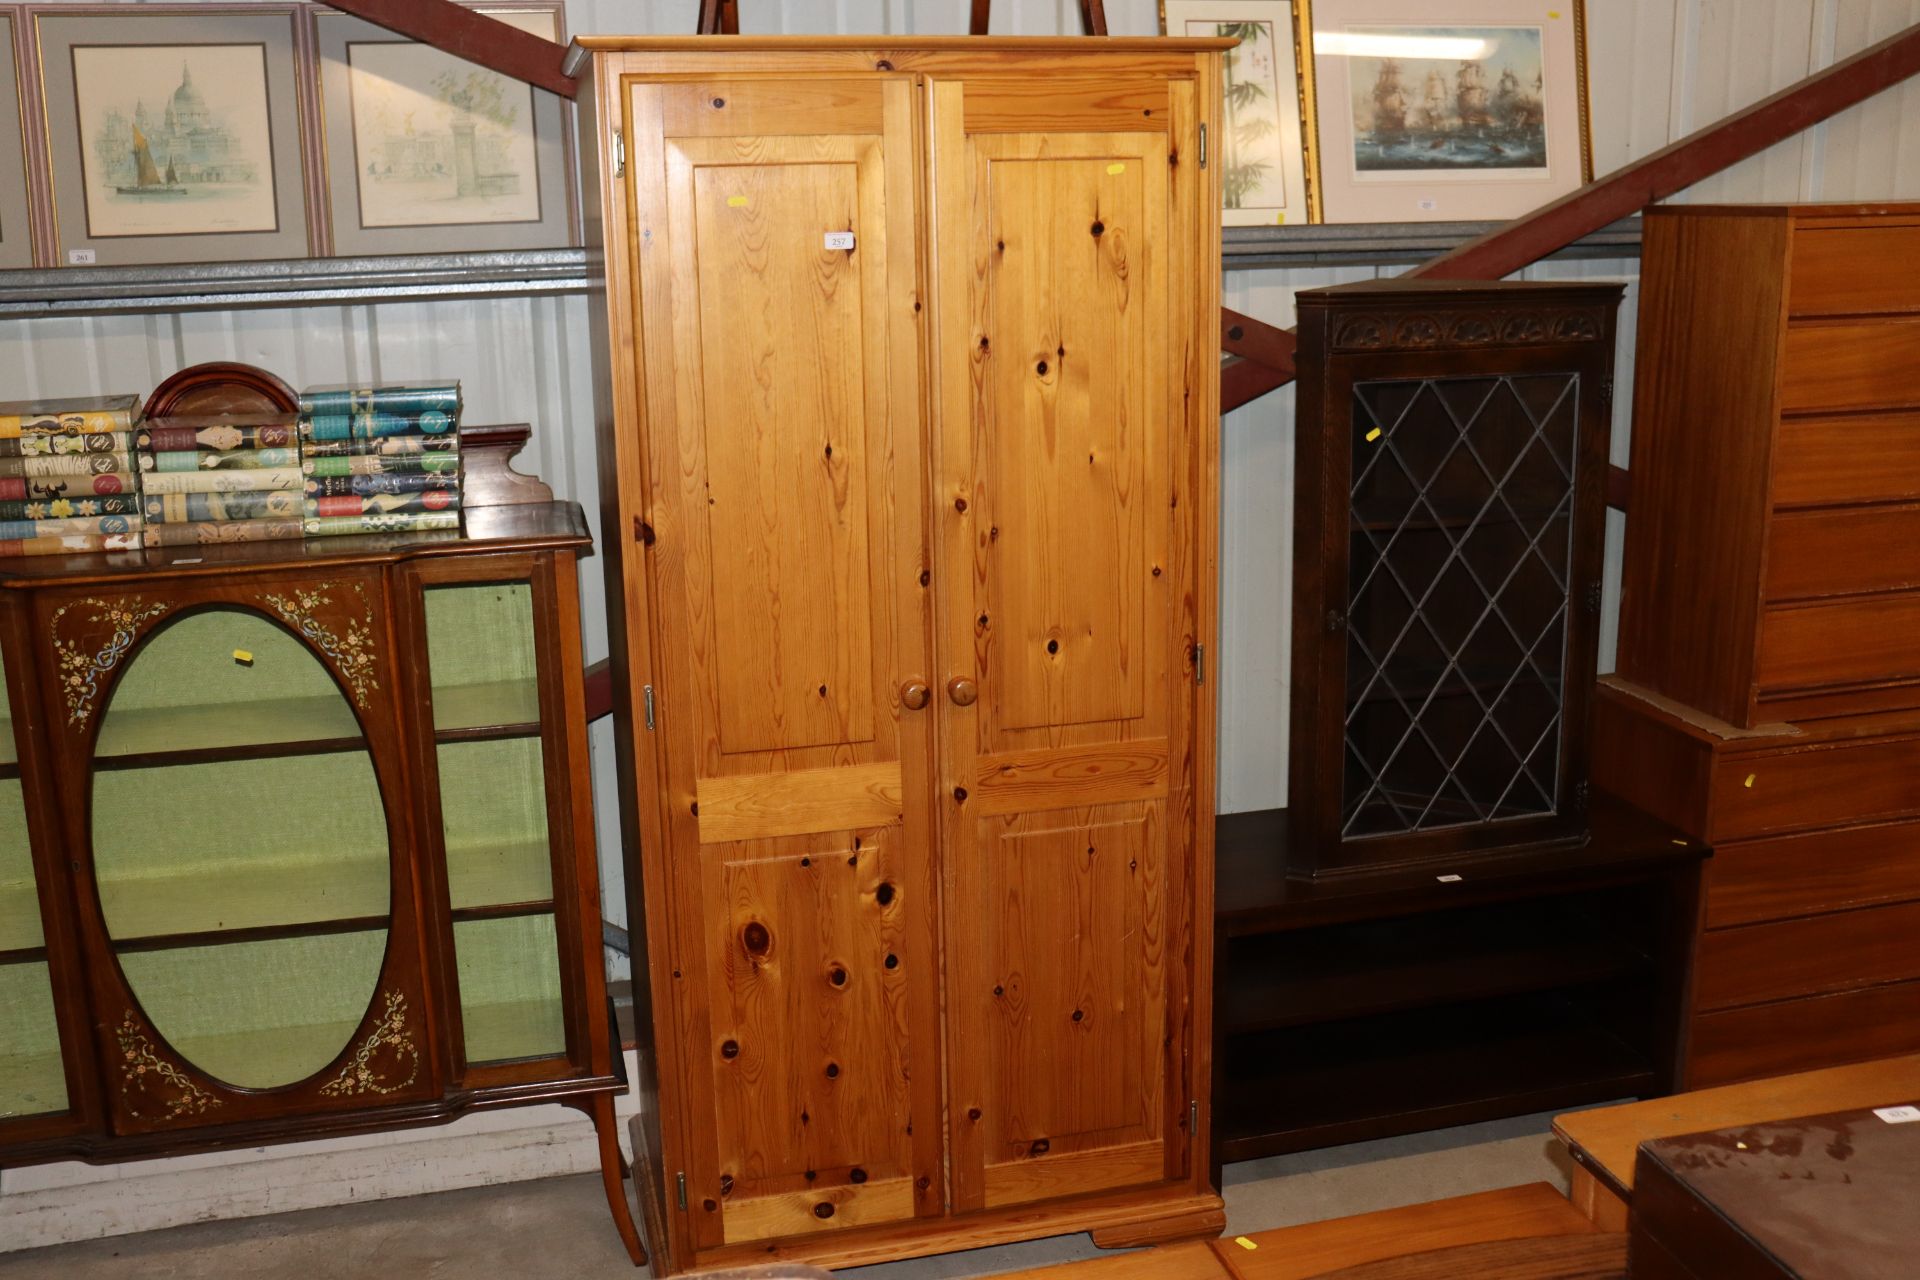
[613, 1169]
[1589, 1196]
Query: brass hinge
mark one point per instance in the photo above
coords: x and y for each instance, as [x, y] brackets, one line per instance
[620, 171]
[680, 1181]
[1199, 664]
[1203, 144]
[646, 696]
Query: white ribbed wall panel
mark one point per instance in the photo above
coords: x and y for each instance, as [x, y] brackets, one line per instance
[1659, 69]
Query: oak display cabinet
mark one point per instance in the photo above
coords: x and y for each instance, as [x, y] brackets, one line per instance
[911, 437]
[298, 842]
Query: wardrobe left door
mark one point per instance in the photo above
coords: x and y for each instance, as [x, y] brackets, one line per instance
[774, 258]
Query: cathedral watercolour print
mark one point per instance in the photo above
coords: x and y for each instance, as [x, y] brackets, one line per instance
[174, 139]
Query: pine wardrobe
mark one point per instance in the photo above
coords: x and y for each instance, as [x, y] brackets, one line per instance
[908, 452]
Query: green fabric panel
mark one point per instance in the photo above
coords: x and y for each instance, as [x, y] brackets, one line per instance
[480, 634]
[493, 800]
[259, 1014]
[16, 871]
[190, 663]
[510, 988]
[295, 815]
[31, 1080]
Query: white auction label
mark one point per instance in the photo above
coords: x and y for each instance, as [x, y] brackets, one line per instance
[1898, 1115]
[839, 239]
[80, 258]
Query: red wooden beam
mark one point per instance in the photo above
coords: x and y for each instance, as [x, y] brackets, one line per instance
[1672, 169]
[474, 36]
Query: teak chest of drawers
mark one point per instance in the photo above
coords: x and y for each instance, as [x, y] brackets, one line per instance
[1773, 549]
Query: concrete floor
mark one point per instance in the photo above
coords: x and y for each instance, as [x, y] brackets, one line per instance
[559, 1227]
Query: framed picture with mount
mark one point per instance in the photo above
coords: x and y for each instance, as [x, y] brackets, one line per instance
[424, 152]
[1266, 128]
[16, 186]
[1462, 110]
[173, 134]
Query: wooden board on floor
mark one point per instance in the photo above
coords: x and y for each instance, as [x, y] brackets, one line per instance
[1604, 1140]
[1319, 1248]
[1194, 1260]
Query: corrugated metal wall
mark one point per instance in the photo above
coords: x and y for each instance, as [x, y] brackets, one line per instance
[1659, 69]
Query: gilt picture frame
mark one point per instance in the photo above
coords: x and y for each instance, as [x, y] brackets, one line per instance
[1462, 110]
[172, 134]
[1266, 141]
[16, 182]
[425, 152]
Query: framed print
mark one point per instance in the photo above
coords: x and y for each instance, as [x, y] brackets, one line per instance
[1264, 151]
[1448, 110]
[173, 134]
[16, 187]
[426, 152]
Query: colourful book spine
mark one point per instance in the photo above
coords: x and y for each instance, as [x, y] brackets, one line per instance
[221, 481]
[441, 398]
[54, 446]
[77, 464]
[205, 533]
[366, 486]
[449, 443]
[84, 422]
[64, 508]
[406, 522]
[184, 508]
[384, 504]
[446, 464]
[70, 545]
[219, 459]
[15, 529]
[178, 439]
[374, 426]
[20, 488]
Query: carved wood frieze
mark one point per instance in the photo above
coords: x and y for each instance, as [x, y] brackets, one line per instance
[1480, 327]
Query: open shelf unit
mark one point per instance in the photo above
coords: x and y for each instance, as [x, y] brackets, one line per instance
[1389, 1001]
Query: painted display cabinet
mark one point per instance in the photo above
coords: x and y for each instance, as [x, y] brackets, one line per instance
[296, 841]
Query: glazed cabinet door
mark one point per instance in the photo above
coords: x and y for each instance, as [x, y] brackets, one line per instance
[787, 573]
[1064, 500]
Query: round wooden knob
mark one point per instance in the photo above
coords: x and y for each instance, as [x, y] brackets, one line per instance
[962, 691]
[913, 694]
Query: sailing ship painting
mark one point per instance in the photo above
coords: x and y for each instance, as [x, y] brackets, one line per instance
[1485, 114]
[177, 139]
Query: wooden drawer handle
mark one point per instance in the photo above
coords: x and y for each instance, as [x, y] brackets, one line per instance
[962, 691]
[913, 694]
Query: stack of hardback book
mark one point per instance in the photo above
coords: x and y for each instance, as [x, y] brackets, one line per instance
[220, 479]
[380, 459]
[67, 477]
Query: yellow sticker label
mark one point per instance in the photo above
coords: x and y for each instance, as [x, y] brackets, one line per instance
[1373, 435]
[1245, 1243]
[736, 202]
[1116, 168]
[1280, 220]
[242, 655]
[1553, 13]
[1750, 778]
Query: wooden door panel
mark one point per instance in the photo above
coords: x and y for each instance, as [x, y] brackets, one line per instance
[1072, 426]
[1065, 597]
[784, 456]
[787, 473]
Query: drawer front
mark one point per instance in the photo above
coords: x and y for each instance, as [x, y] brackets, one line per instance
[1790, 876]
[1869, 457]
[1819, 954]
[1814, 787]
[1866, 365]
[1845, 552]
[1854, 270]
[1864, 640]
[1802, 1035]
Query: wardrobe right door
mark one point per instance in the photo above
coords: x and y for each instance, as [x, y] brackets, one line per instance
[1066, 232]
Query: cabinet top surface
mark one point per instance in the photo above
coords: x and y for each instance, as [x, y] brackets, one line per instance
[532, 526]
[1875, 209]
[1072, 45]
